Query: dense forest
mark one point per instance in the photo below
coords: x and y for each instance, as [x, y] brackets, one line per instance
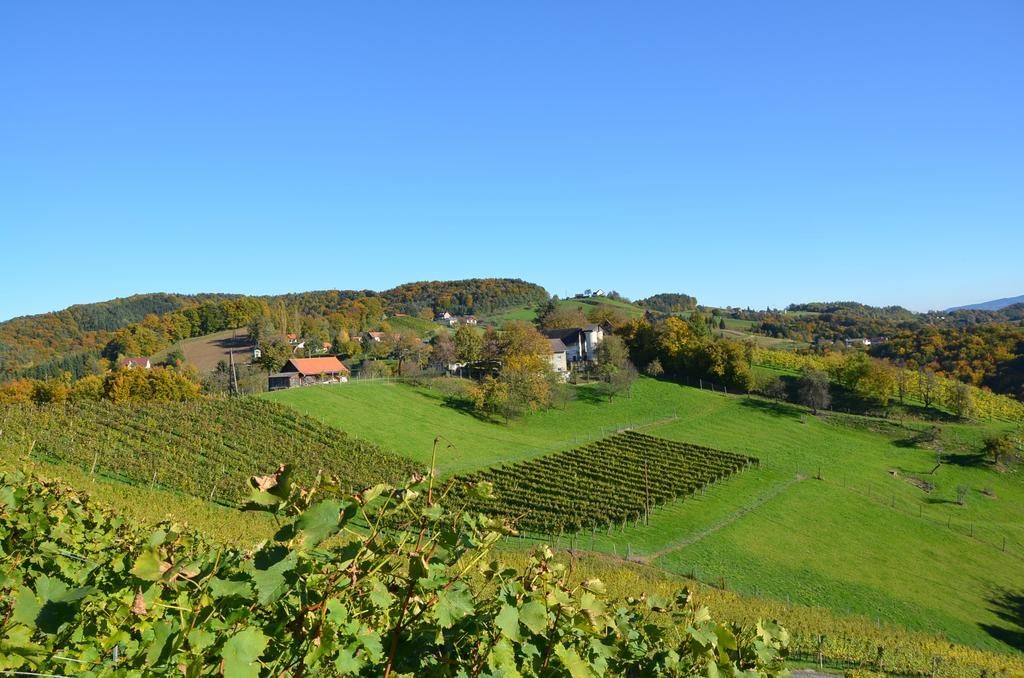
[669, 302]
[84, 328]
[75, 339]
[475, 296]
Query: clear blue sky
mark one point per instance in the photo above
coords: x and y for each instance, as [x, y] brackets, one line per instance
[750, 153]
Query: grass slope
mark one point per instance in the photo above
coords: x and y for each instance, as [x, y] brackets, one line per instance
[206, 351]
[407, 418]
[860, 540]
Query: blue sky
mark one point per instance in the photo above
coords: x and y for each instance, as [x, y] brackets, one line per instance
[748, 153]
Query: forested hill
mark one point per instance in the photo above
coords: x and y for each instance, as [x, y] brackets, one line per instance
[27, 339]
[477, 295]
[67, 339]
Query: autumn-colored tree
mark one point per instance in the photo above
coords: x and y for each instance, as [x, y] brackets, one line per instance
[960, 400]
[559, 317]
[522, 339]
[606, 314]
[148, 385]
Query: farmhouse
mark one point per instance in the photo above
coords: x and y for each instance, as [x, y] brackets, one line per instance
[130, 363]
[446, 319]
[580, 342]
[382, 336]
[559, 363]
[305, 371]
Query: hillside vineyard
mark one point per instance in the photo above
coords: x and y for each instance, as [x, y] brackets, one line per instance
[610, 481]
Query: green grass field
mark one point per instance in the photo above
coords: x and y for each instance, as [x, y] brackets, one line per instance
[529, 313]
[858, 540]
[406, 419]
[407, 324]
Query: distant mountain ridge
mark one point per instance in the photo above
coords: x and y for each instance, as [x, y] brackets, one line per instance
[993, 305]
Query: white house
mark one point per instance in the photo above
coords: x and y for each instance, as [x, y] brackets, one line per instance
[580, 342]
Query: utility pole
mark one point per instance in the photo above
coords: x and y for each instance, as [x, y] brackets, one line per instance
[234, 374]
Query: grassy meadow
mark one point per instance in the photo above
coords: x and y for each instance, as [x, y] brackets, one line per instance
[830, 518]
[406, 419]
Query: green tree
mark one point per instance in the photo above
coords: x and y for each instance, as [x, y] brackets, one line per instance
[813, 388]
[273, 355]
[469, 345]
[614, 369]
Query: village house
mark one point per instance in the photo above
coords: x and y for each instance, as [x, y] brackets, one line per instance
[306, 371]
[446, 319]
[468, 320]
[131, 363]
[382, 336]
[580, 342]
[559, 362]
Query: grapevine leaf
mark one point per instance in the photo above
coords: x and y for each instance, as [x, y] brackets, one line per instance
[147, 566]
[224, 588]
[319, 522]
[502, 660]
[347, 662]
[507, 621]
[269, 580]
[572, 661]
[26, 607]
[241, 652]
[534, 615]
[200, 639]
[452, 605]
[162, 632]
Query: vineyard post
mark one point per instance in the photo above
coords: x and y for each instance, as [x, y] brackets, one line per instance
[647, 493]
[92, 471]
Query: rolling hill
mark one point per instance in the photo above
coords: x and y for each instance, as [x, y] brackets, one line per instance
[994, 305]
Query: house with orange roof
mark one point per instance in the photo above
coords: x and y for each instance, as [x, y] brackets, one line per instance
[308, 371]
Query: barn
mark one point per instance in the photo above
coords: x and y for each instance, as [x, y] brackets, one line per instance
[305, 371]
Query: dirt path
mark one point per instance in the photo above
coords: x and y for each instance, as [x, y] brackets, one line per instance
[723, 523]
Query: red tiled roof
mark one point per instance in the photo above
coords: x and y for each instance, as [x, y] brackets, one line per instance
[318, 365]
[135, 362]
